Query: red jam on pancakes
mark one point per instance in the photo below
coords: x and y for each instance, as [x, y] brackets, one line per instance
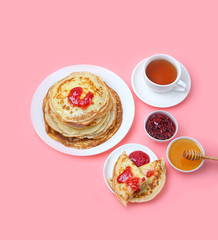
[139, 158]
[127, 177]
[150, 173]
[74, 98]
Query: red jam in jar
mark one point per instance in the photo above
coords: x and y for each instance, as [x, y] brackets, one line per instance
[74, 98]
[139, 158]
[160, 126]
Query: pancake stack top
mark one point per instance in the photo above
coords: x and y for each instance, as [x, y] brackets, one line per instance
[81, 111]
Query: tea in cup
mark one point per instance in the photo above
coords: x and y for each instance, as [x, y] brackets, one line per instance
[162, 73]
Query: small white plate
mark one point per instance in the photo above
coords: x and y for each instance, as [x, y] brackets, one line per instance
[113, 80]
[157, 99]
[112, 158]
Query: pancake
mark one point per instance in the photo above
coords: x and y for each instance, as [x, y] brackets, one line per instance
[95, 131]
[54, 132]
[95, 121]
[63, 108]
[127, 178]
[81, 111]
[66, 130]
[154, 184]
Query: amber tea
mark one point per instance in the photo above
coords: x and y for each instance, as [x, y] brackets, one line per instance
[161, 72]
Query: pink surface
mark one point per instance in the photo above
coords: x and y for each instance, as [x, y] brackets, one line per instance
[48, 195]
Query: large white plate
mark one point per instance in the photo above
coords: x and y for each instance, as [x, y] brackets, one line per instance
[157, 99]
[112, 80]
[112, 158]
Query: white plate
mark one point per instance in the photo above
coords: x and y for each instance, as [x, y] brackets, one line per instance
[112, 158]
[112, 80]
[156, 99]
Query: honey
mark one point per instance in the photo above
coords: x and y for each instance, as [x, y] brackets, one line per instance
[176, 154]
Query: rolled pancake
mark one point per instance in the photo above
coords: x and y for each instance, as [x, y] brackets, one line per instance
[60, 105]
[130, 176]
[154, 184]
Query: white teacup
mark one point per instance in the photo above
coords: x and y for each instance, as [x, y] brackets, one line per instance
[177, 85]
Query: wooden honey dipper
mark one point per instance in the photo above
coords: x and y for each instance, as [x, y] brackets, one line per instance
[195, 155]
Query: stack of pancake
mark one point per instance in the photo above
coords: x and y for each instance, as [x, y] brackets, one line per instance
[81, 111]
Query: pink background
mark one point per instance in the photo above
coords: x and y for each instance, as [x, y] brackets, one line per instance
[49, 195]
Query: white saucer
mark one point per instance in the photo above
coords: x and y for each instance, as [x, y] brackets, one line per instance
[112, 158]
[113, 80]
[155, 99]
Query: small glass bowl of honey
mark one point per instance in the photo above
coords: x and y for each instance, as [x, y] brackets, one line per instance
[175, 154]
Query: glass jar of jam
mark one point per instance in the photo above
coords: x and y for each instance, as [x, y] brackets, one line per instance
[161, 126]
